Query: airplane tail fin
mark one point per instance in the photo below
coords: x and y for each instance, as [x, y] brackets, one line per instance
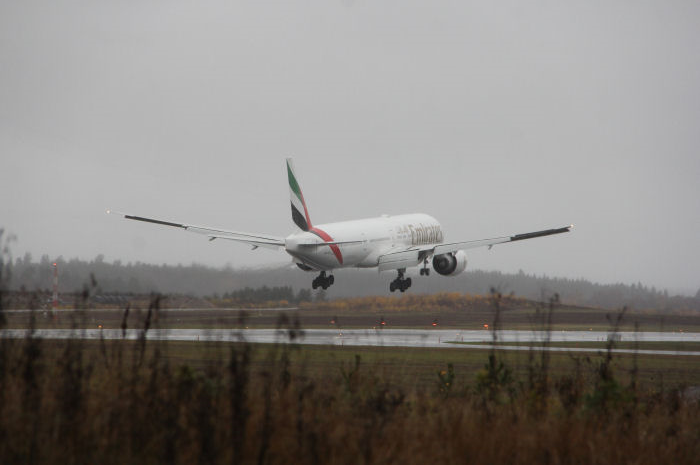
[300, 214]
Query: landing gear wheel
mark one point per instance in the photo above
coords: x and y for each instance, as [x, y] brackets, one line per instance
[400, 282]
[323, 281]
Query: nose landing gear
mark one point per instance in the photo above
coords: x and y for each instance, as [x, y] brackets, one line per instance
[425, 271]
[323, 281]
[400, 283]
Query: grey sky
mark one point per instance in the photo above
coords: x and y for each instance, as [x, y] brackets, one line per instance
[494, 117]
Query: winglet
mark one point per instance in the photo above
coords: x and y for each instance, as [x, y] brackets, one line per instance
[300, 214]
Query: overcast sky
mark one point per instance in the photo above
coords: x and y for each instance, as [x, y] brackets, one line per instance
[494, 117]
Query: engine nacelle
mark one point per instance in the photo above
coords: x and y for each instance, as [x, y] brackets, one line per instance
[450, 264]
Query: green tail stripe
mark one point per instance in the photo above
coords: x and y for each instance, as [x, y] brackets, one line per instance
[293, 182]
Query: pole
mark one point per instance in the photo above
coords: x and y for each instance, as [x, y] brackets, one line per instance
[55, 286]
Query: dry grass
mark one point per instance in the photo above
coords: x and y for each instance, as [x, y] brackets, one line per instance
[124, 402]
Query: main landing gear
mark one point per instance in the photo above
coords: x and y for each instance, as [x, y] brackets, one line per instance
[400, 282]
[323, 281]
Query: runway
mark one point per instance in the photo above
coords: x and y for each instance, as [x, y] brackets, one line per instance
[164, 310]
[436, 338]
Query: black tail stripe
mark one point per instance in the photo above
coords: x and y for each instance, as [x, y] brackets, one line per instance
[299, 219]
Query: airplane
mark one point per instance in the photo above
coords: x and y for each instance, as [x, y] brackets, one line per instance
[387, 243]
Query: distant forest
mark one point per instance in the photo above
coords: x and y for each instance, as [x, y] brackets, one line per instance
[200, 281]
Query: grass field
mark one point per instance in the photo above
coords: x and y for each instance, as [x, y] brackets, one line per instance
[680, 346]
[144, 402]
[417, 368]
[141, 401]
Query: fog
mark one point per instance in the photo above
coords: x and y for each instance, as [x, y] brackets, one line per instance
[494, 117]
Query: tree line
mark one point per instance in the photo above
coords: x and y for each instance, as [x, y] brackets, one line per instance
[291, 284]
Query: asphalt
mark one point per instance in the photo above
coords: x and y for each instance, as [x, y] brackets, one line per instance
[166, 310]
[435, 338]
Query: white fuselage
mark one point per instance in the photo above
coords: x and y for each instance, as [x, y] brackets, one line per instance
[371, 238]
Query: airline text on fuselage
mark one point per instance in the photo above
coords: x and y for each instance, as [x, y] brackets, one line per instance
[421, 234]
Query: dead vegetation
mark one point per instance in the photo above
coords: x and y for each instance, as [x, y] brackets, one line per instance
[69, 402]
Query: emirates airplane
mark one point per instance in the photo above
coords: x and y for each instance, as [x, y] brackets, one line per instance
[387, 243]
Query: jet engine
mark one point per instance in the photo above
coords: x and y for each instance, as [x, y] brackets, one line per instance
[450, 264]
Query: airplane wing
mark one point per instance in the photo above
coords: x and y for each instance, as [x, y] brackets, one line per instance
[438, 249]
[256, 240]
[329, 243]
[412, 256]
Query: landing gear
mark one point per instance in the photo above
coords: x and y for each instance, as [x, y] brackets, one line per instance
[400, 283]
[425, 271]
[323, 281]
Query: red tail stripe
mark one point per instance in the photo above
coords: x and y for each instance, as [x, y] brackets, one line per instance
[306, 211]
[324, 235]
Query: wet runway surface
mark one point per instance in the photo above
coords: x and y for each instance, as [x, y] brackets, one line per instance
[436, 338]
[164, 310]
